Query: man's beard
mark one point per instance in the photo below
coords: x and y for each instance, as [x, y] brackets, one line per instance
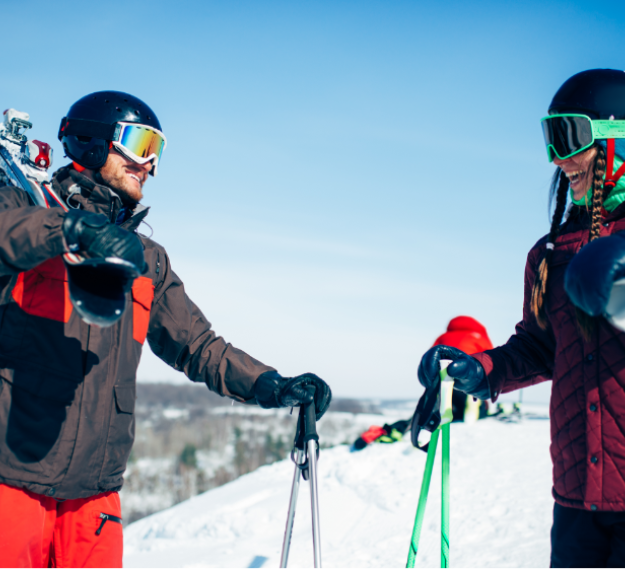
[119, 185]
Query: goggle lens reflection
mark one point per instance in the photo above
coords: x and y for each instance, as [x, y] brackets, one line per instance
[144, 142]
[567, 135]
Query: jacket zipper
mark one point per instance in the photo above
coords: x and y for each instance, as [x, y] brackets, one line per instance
[105, 518]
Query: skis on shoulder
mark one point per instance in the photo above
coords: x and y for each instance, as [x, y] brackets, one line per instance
[24, 163]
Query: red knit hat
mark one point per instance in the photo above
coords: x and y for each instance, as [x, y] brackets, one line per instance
[466, 334]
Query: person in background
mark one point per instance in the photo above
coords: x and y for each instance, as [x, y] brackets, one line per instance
[466, 334]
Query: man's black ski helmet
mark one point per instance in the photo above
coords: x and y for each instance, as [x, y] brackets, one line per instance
[597, 93]
[88, 128]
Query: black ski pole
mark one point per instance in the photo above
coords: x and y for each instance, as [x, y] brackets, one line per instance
[304, 454]
[297, 456]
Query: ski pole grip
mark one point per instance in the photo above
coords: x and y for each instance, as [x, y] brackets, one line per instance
[310, 417]
[299, 433]
[306, 422]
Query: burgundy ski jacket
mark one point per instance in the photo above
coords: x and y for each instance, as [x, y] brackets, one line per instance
[588, 390]
[67, 389]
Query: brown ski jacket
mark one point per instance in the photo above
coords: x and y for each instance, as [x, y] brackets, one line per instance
[67, 389]
[588, 389]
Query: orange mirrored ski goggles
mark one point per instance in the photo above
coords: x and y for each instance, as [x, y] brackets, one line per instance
[139, 143]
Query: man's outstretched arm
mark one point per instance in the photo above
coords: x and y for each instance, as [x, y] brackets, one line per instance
[182, 337]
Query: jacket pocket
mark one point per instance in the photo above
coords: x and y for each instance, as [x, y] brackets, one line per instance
[120, 436]
[43, 291]
[125, 398]
[142, 297]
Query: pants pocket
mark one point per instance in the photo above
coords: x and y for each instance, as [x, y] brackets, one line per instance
[106, 518]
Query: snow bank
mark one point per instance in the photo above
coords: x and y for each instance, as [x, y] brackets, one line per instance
[500, 508]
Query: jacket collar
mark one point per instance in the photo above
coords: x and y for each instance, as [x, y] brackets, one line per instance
[78, 191]
[618, 213]
[580, 213]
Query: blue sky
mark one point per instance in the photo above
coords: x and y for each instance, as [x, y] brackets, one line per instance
[341, 178]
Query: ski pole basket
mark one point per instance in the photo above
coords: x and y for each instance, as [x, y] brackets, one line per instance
[304, 454]
[434, 413]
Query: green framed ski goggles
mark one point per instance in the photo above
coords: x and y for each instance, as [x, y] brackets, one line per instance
[569, 134]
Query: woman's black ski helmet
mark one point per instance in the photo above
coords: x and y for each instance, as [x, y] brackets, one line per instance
[89, 127]
[597, 93]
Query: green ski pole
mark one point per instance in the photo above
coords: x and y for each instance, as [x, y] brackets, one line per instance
[446, 412]
[445, 498]
[423, 498]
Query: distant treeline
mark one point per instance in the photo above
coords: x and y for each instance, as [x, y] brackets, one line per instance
[189, 440]
[190, 395]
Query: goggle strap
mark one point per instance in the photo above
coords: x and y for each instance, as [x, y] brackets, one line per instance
[612, 178]
[84, 127]
[610, 166]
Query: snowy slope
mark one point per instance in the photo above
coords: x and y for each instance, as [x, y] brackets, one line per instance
[500, 508]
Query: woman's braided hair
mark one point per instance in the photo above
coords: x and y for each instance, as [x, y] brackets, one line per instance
[561, 182]
[586, 322]
[598, 193]
[559, 187]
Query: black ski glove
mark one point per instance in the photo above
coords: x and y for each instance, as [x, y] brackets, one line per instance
[467, 372]
[590, 275]
[91, 235]
[272, 390]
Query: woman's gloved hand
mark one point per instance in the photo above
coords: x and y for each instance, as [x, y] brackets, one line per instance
[467, 372]
[272, 390]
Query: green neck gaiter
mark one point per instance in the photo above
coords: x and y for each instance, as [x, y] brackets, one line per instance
[616, 197]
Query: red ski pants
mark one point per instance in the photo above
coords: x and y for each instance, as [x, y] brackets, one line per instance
[39, 531]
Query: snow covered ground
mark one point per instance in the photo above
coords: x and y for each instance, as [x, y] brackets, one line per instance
[228, 441]
[500, 508]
